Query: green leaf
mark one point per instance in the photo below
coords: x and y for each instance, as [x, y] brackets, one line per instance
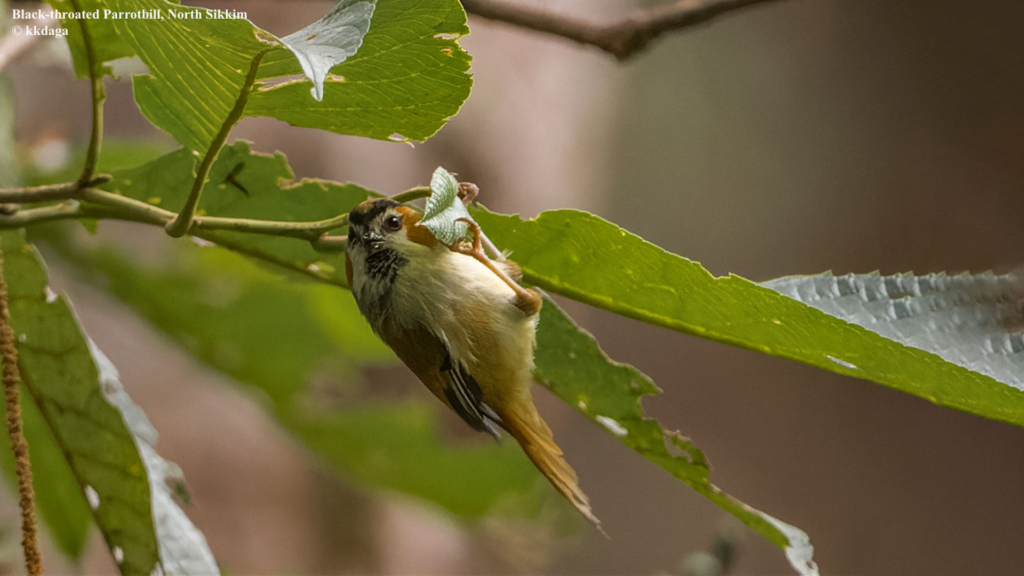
[572, 365]
[106, 438]
[408, 79]
[444, 208]
[591, 260]
[330, 40]
[197, 63]
[300, 343]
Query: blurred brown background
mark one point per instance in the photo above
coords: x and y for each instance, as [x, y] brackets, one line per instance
[791, 138]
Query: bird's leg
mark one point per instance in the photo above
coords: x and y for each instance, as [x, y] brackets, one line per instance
[467, 193]
[527, 300]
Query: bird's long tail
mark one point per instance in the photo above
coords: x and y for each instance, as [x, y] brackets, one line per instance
[533, 434]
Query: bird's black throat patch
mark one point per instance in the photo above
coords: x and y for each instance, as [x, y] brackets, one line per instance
[383, 264]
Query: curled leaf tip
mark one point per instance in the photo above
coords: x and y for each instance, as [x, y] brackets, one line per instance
[444, 209]
[330, 40]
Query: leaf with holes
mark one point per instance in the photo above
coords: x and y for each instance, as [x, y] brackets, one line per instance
[572, 365]
[106, 438]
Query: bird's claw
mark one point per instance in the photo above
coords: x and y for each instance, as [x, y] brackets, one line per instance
[477, 250]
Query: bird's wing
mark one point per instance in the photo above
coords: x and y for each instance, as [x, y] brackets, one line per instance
[428, 357]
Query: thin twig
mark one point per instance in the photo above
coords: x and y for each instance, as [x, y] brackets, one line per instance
[22, 218]
[32, 194]
[50, 192]
[622, 38]
[181, 224]
[76, 211]
[22, 466]
[99, 95]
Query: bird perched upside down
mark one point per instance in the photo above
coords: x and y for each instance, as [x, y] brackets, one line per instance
[460, 322]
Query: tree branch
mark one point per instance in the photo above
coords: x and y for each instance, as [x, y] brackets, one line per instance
[623, 38]
[93, 203]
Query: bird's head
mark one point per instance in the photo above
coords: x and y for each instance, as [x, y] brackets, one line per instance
[379, 227]
[371, 223]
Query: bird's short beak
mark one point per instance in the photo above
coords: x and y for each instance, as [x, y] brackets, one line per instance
[372, 238]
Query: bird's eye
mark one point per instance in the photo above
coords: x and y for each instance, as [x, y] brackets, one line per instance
[392, 223]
